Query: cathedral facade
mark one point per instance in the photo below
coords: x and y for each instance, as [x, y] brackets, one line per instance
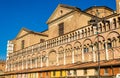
[76, 44]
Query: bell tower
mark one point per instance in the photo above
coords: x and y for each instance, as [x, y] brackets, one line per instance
[118, 6]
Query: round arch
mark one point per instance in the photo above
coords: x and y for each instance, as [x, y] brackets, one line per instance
[112, 34]
[100, 38]
[60, 49]
[87, 40]
[77, 43]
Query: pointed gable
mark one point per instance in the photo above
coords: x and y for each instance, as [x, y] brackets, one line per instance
[61, 10]
[22, 32]
[25, 31]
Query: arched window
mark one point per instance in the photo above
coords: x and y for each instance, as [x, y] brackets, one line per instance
[85, 49]
[44, 59]
[64, 39]
[75, 36]
[96, 46]
[91, 30]
[82, 33]
[114, 23]
[61, 29]
[78, 34]
[70, 37]
[109, 44]
[108, 25]
[88, 31]
[114, 42]
[60, 40]
[104, 27]
[67, 38]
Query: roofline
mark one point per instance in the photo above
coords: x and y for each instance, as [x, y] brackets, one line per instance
[29, 32]
[75, 9]
[114, 14]
[98, 7]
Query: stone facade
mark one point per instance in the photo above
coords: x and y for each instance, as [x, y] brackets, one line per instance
[2, 66]
[69, 48]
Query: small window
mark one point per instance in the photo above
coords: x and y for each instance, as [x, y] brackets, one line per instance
[75, 73]
[42, 40]
[60, 73]
[22, 44]
[44, 59]
[96, 71]
[33, 61]
[109, 45]
[105, 71]
[104, 46]
[85, 71]
[54, 73]
[114, 22]
[69, 72]
[61, 29]
[86, 50]
[46, 73]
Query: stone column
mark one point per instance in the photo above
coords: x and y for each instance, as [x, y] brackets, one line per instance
[57, 59]
[73, 55]
[36, 61]
[32, 49]
[106, 51]
[18, 65]
[94, 55]
[82, 54]
[46, 44]
[47, 60]
[22, 64]
[64, 57]
[26, 64]
[30, 63]
[41, 61]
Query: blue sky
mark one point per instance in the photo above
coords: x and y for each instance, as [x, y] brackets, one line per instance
[33, 14]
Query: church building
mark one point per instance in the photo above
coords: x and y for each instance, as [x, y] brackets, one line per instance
[78, 44]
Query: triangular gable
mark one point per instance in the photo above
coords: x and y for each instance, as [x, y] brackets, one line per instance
[22, 32]
[25, 31]
[60, 11]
